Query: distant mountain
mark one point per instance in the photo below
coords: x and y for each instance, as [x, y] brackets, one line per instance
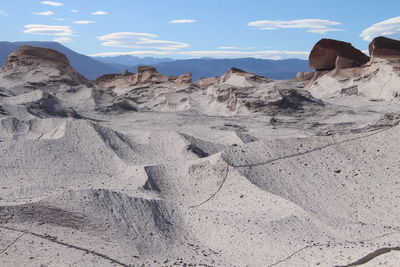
[87, 66]
[132, 60]
[208, 67]
[92, 68]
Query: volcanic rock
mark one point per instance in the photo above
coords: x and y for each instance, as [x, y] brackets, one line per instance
[329, 54]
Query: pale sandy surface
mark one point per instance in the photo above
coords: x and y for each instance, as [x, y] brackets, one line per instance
[195, 177]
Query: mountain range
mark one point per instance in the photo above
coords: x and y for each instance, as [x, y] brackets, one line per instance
[92, 68]
[212, 67]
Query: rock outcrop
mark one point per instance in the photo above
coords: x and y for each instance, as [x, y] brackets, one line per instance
[48, 73]
[29, 57]
[184, 79]
[147, 74]
[378, 81]
[386, 48]
[243, 92]
[240, 78]
[31, 68]
[206, 82]
[375, 80]
[144, 75]
[329, 54]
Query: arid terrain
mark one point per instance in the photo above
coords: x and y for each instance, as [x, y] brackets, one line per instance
[141, 169]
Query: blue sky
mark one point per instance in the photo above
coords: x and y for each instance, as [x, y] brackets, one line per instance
[198, 28]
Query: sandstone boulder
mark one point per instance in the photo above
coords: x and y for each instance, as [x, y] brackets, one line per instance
[382, 47]
[329, 54]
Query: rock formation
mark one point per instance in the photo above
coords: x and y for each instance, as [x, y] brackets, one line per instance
[184, 79]
[386, 48]
[53, 66]
[238, 77]
[31, 69]
[147, 74]
[376, 80]
[329, 54]
[206, 82]
[242, 91]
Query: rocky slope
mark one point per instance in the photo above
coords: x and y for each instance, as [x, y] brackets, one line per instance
[143, 169]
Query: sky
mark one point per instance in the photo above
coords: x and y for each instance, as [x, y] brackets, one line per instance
[198, 28]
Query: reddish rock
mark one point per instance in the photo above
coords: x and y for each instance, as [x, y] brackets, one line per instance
[327, 53]
[343, 62]
[382, 47]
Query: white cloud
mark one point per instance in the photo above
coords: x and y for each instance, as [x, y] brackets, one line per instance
[50, 3]
[44, 13]
[181, 21]
[216, 54]
[62, 40]
[387, 27]
[3, 13]
[99, 13]
[54, 30]
[84, 22]
[257, 54]
[139, 40]
[320, 26]
[73, 10]
[324, 31]
[234, 47]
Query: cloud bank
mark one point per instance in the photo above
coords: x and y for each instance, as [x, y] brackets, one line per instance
[99, 13]
[54, 30]
[44, 13]
[139, 40]
[51, 3]
[389, 27]
[62, 40]
[182, 21]
[320, 26]
[84, 21]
